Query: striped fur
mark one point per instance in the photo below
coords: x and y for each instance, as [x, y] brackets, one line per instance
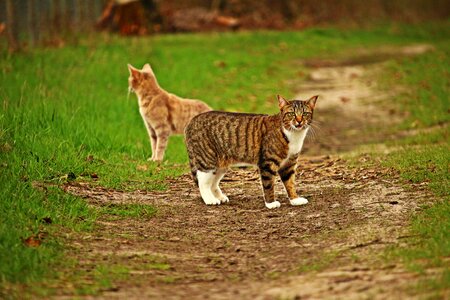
[163, 113]
[216, 140]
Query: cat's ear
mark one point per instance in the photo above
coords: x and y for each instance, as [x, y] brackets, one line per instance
[147, 68]
[133, 71]
[312, 101]
[281, 102]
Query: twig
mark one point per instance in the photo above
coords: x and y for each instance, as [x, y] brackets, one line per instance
[375, 241]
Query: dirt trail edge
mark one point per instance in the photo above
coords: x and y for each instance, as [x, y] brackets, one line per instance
[329, 248]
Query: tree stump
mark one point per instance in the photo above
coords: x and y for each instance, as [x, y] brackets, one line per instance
[127, 17]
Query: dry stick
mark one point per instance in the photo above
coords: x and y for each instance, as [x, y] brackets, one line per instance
[375, 241]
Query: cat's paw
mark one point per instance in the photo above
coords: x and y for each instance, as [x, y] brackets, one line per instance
[299, 201]
[274, 204]
[154, 159]
[224, 199]
[212, 201]
[219, 195]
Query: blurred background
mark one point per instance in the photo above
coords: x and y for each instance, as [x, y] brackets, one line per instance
[29, 23]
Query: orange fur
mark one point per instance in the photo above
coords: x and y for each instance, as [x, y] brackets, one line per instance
[164, 114]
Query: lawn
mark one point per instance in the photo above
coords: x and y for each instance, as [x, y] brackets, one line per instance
[425, 158]
[66, 117]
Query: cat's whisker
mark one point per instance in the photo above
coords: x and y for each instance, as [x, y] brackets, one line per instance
[320, 123]
[128, 94]
[317, 123]
[316, 126]
[313, 133]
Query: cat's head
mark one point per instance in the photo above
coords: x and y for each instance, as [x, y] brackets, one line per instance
[296, 114]
[139, 79]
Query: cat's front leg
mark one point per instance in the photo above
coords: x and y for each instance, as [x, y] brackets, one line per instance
[287, 175]
[268, 172]
[153, 140]
[161, 144]
[152, 137]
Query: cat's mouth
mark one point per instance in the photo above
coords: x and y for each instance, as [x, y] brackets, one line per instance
[299, 126]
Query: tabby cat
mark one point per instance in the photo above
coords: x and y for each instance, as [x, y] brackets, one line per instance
[216, 140]
[163, 113]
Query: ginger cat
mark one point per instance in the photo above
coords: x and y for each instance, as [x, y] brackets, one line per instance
[164, 114]
[216, 140]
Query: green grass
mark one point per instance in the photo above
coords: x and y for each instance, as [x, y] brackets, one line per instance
[428, 163]
[103, 277]
[65, 116]
[425, 158]
[318, 263]
[427, 80]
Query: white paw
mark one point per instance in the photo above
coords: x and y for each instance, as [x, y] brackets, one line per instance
[211, 201]
[274, 204]
[219, 195]
[299, 201]
[224, 199]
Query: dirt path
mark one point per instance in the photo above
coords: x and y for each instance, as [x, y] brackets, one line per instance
[327, 249]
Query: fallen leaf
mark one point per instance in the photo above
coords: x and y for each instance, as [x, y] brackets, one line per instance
[32, 241]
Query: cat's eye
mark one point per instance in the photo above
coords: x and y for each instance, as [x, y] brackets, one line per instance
[290, 114]
[307, 114]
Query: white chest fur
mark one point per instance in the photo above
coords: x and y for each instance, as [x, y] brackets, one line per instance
[296, 139]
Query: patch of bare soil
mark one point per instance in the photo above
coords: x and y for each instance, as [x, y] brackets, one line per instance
[350, 109]
[329, 248]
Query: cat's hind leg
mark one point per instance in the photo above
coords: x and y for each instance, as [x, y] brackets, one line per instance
[205, 184]
[217, 192]
[267, 172]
